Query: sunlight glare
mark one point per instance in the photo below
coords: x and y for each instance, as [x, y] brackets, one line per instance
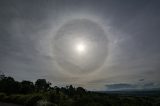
[80, 48]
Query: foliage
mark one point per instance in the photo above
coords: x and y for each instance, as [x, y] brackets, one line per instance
[33, 99]
[41, 93]
[27, 87]
[45, 103]
[42, 85]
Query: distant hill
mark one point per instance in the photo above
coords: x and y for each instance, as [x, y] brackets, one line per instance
[146, 92]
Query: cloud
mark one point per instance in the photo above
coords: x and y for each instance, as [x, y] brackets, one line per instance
[141, 79]
[120, 86]
[126, 86]
[149, 85]
[26, 40]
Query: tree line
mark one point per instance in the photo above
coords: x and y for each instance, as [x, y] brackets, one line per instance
[41, 93]
[9, 86]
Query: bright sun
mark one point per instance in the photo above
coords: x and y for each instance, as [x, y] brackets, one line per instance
[80, 48]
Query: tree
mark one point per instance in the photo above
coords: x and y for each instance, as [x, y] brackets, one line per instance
[9, 85]
[42, 85]
[71, 90]
[26, 87]
[81, 90]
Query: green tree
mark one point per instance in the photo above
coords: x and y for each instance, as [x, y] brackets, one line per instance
[9, 85]
[81, 91]
[71, 90]
[26, 87]
[42, 85]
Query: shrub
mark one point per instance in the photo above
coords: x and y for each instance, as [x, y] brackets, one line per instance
[45, 103]
[20, 99]
[32, 100]
[2, 96]
[6, 99]
[67, 102]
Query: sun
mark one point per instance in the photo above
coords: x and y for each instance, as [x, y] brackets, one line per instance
[80, 48]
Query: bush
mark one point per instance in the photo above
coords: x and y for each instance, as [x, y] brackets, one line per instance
[2, 96]
[6, 99]
[33, 99]
[45, 103]
[19, 99]
[56, 97]
[67, 102]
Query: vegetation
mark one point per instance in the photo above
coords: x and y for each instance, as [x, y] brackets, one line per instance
[41, 93]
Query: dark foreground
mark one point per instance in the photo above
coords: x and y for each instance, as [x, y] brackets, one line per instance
[41, 93]
[7, 104]
[85, 98]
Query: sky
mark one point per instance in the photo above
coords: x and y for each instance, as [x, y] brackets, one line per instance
[96, 44]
